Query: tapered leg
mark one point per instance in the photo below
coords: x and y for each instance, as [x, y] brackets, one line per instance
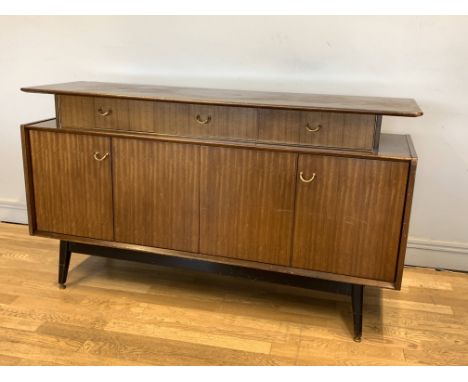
[357, 300]
[64, 263]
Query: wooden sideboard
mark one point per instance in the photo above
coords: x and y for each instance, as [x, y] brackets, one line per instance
[297, 187]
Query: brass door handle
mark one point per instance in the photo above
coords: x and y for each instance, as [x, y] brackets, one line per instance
[301, 176]
[104, 113]
[203, 121]
[313, 129]
[99, 157]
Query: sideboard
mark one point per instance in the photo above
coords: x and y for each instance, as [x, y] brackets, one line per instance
[301, 188]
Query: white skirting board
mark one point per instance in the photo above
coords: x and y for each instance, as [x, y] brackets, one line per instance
[13, 212]
[437, 254]
[421, 252]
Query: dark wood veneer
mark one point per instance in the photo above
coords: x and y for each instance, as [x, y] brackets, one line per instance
[392, 146]
[156, 193]
[404, 107]
[247, 204]
[72, 191]
[348, 219]
[297, 184]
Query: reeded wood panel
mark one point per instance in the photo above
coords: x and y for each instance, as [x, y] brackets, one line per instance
[247, 204]
[111, 113]
[76, 112]
[223, 122]
[72, 190]
[156, 193]
[340, 130]
[141, 115]
[348, 219]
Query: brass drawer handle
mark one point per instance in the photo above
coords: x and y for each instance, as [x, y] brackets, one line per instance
[201, 121]
[301, 176]
[313, 129]
[104, 113]
[99, 157]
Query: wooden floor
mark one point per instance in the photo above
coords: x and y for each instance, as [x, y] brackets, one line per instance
[122, 313]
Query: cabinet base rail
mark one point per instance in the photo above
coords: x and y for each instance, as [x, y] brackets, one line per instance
[355, 291]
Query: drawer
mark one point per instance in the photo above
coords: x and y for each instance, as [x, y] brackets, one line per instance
[111, 113]
[205, 121]
[166, 118]
[105, 113]
[324, 129]
[75, 112]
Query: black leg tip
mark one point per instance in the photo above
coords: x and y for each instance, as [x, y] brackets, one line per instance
[62, 286]
[357, 339]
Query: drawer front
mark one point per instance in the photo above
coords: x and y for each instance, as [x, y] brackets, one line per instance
[223, 122]
[205, 121]
[165, 118]
[76, 112]
[111, 113]
[80, 112]
[317, 129]
[324, 129]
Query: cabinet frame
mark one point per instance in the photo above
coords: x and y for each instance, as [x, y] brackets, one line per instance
[49, 125]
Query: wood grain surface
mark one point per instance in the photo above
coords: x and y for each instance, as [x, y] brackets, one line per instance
[156, 193]
[278, 126]
[236, 187]
[140, 115]
[353, 131]
[123, 313]
[338, 130]
[247, 204]
[225, 122]
[76, 112]
[348, 219]
[118, 117]
[72, 191]
[296, 101]
[392, 146]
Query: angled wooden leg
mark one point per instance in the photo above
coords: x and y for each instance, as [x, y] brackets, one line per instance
[64, 263]
[357, 293]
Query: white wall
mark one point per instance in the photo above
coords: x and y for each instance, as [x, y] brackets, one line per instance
[425, 58]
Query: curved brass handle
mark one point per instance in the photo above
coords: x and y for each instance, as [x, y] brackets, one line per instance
[203, 121]
[301, 176]
[313, 129]
[104, 113]
[99, 157]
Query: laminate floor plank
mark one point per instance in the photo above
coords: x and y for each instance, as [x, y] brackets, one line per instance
[122, 313]
[157, 351]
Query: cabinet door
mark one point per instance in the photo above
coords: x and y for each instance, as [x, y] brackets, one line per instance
[348, 218]
[247, 204]
[72, 184]
[156, 193]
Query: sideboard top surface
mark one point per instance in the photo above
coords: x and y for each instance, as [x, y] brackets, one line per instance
[392, 146]
[405, 107]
